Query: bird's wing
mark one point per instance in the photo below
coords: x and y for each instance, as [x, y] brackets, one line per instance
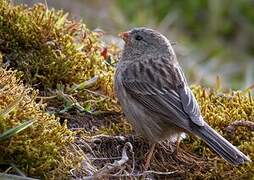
[188, 100]
[164, 92]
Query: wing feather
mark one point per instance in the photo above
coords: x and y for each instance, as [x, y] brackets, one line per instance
[170, 99]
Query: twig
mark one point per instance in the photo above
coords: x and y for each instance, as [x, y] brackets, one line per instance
[109, 158]
[82, 143]
[155, 172]
[86, 165]
[145, 173]
[100, 136]
[46, 97]
[96, 93]
[231, 127]
[109, 167]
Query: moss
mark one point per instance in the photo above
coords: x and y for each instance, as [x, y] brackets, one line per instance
[220, 109]
[123, 128]
[41, 44]
[51, 49]
[45, 149]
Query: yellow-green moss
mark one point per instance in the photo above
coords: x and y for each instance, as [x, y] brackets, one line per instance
[50, 49]
[220, 109]
[42, 150]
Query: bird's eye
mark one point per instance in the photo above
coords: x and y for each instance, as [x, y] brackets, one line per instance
[138, 37]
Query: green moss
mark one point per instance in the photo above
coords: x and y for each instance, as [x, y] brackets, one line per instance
[116, 128]
[45, 149]
[220, 109]
[51, 49]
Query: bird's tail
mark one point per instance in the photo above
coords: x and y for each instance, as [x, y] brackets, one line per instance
[220, 145]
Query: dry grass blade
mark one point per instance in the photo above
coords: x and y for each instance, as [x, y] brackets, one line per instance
[10, 167]
[14, 177]
[87, 84]
[11, 132]
[70, 101]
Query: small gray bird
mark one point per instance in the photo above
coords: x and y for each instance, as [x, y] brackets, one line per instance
[155, 97]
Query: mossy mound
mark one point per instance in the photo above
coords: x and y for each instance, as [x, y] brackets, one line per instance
[221, 110]
[49, 49]
[46, 148]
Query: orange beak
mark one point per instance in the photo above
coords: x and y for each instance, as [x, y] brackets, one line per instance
[124, 35]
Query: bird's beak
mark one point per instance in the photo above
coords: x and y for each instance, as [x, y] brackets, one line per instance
[124, 35]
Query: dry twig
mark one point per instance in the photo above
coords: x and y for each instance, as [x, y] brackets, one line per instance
[105, 171]
[231, 127]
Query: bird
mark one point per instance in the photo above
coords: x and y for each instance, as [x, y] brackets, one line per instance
[153, 92]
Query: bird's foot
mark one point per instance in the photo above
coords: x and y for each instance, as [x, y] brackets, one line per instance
[149, 157]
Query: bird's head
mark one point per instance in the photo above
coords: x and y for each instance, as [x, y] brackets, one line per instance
[144, 41]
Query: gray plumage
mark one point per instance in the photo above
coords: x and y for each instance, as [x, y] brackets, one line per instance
[155, 97]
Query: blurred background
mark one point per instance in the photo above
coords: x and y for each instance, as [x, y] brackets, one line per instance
[213, 38]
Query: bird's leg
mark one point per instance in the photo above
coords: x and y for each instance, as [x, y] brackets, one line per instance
[149, 156]
[178, 140]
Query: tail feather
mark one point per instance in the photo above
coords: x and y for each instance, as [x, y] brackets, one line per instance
[220, 145]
